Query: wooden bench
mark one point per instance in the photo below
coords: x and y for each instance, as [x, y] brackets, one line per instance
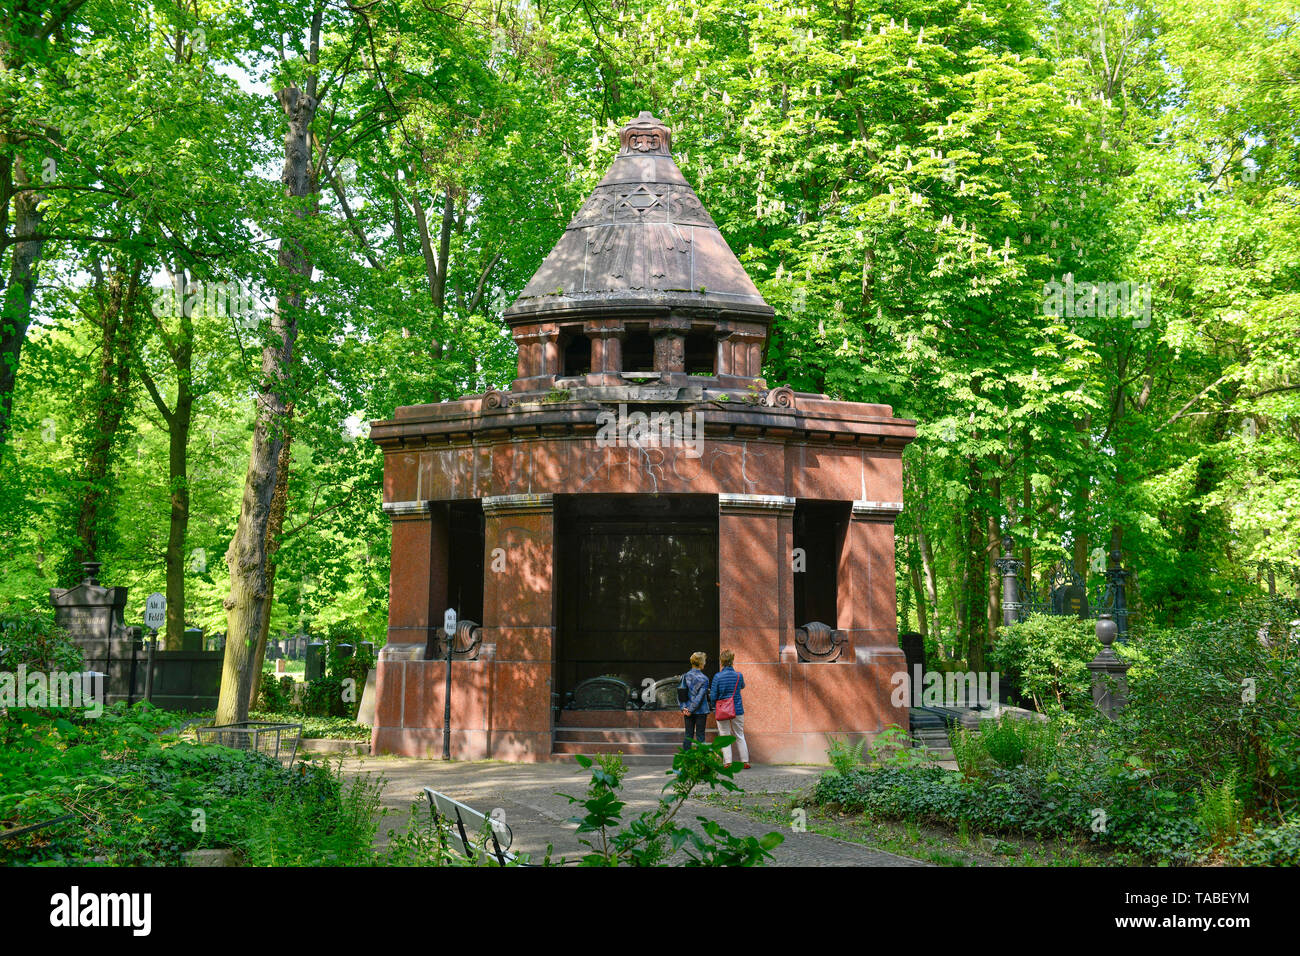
[466, 818]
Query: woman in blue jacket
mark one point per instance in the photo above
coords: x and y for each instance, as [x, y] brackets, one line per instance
[696, 706]
[726, 683]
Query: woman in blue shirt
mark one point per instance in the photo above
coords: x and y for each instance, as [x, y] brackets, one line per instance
[696, 706]
[725, 683]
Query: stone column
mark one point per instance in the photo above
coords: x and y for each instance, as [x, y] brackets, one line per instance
[670, 349]
[868, 596]
[755, 545]
[756, 614]
[417, 596]
[1109, 673]
[417, 589]
[606, 351]
[519, 620]
[740, 354]
[723, 366]
[539, 356]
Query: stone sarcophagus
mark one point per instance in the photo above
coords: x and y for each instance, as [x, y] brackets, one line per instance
[639, 494]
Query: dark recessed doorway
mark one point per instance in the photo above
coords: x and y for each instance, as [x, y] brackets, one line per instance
[637, 586]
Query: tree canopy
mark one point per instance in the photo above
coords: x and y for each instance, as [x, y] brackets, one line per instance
[1062, 236]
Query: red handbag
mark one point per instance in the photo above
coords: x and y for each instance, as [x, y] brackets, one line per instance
[726, 707]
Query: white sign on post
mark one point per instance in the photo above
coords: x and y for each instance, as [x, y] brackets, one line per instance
[449, 621]
[155, 611]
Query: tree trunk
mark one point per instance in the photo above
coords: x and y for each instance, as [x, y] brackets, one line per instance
[992, 548]
[975, 573]
[20, 285]
[1080, 557]
[274, 525]
[178, 422]
[248, 603]
[931, 589]
[178, 440]
[109, 401]
[961, 582]
[914, 571]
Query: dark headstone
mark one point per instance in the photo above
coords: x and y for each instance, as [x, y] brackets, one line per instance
[192, 640]
[913, 645]
[315, 661]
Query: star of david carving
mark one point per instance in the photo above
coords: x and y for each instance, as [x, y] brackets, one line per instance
[640, 200]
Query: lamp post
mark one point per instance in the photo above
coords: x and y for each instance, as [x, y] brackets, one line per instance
[449, 634]
[1009, 565]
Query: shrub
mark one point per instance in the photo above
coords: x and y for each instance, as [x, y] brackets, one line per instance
[1215, 696]
[340, 669]
[1269, 846]
[892, 747]
[134, 795]
[324, 698]
[1046, 658]
[333, 826]
[30, 637]
[655, 834]
[271, 696]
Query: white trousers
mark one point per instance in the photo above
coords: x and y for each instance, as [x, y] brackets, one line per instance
[734, 728]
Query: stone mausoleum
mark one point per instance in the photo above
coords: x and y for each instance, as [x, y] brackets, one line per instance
[638, 494]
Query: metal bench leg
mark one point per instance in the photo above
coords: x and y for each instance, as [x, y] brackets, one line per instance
[464, 839]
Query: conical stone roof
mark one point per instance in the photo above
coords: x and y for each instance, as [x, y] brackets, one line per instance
[643, 242]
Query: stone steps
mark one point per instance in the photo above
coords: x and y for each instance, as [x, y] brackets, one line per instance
[934, 740]
[632, 742]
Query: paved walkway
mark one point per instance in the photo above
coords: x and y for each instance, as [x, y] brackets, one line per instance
[527, 796]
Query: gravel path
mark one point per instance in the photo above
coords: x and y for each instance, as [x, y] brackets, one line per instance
[528, 797]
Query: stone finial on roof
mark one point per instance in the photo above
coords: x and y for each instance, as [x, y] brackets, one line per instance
[645, 134]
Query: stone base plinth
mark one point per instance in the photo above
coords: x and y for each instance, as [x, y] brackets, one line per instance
[792, 709]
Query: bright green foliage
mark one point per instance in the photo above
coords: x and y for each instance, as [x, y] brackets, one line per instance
[903, 180]
[655, 835]
[1045, 659]
[1008, 742]
[843, 756]
[1201, 765]
[1217, 698]
[32, 638]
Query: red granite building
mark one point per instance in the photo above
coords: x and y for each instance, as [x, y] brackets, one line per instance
[640, 493]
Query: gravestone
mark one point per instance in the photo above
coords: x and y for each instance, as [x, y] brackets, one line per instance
[369, 696]
[913, 646]
[315, 661]
[192, 639]
[91, 614]
[1070, 598]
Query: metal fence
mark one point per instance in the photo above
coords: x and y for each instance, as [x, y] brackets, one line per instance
[278, 741]
[1067, 593]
